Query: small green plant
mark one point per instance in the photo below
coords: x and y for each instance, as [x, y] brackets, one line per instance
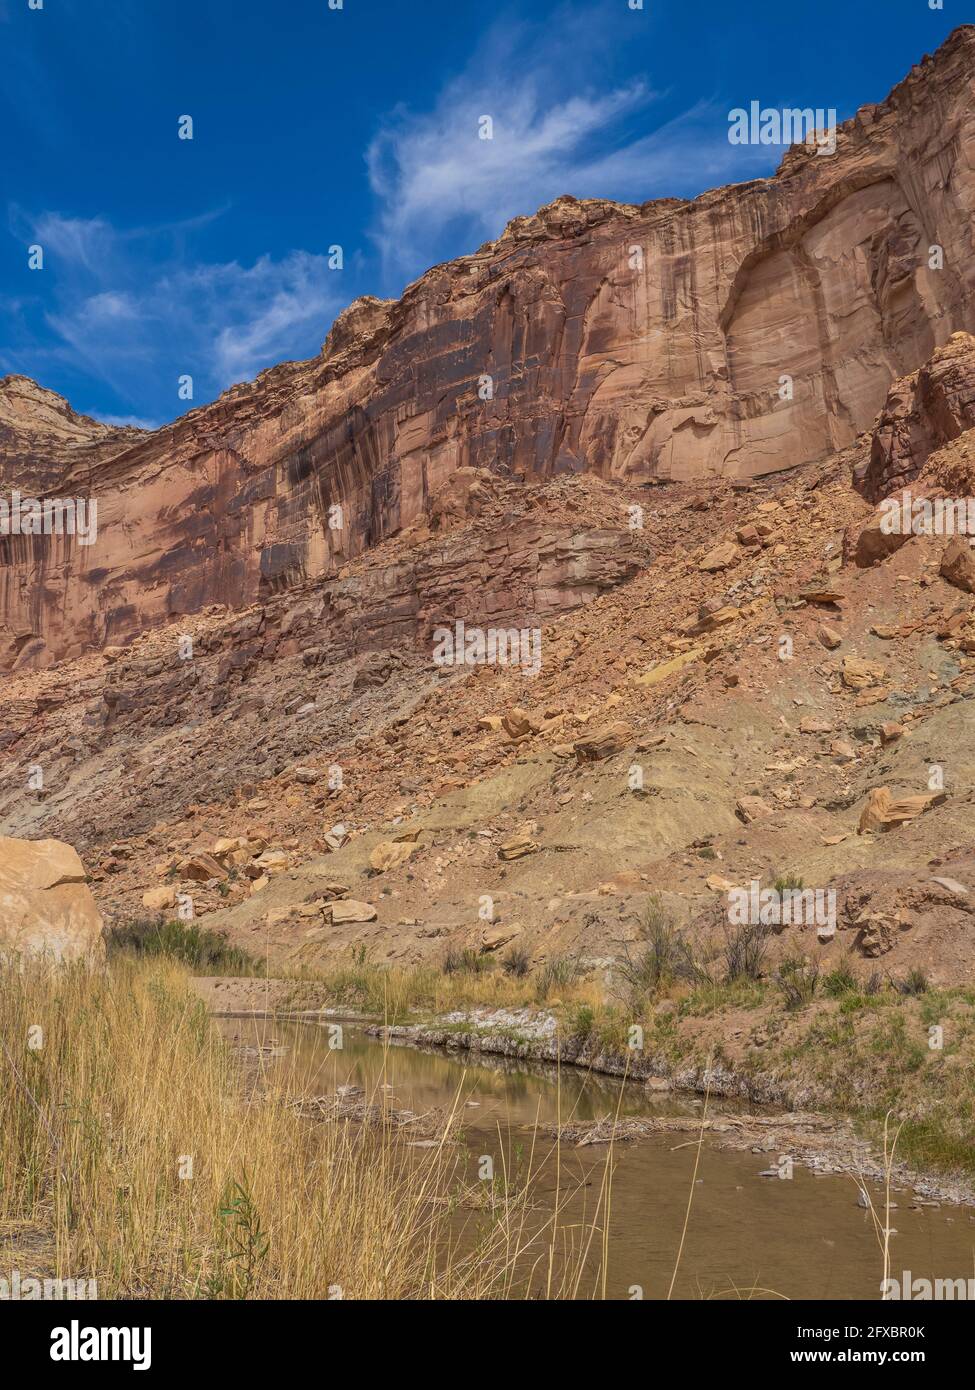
[914, 982]
[582, 1023]
[666, 956]
[840, 981]
[245, 1243]
[788, 883]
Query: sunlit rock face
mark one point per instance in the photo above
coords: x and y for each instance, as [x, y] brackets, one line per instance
[754, 328]
[46, 907]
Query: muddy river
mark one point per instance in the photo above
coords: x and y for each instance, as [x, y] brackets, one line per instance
[806, 1236]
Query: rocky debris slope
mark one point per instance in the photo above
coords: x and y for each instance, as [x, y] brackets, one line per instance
[756, 327]
[722, 699]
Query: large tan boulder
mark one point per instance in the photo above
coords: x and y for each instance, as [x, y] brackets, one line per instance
[46, 906]
[883, 813]
[858, 674]
[603, 743]
[390, 854]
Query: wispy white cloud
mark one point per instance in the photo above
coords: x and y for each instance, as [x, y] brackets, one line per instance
[440, 188]
[135, 422]
[133, 309]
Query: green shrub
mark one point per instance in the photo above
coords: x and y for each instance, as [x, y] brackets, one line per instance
[517, 962]
[914, 982]
[840, 981]
[204, 951]
[664, 957]
[556, 975]
[582, 1023]
[744, 952]
[797, 981]
[465, 962]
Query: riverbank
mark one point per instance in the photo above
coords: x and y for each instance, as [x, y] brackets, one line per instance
[808, 1236]
[853, 1056]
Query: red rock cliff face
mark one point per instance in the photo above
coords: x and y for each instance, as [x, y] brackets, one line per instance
[665, 363]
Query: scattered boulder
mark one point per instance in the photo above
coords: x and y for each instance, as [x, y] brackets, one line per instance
[602, 744]
[720, 557]
[272, 861]
[751, 808]
[669, 668]
[200, 868]
[858, 674]
[958, 564]
[329, 888]
[159, 899]
[374, 671]
[882, 812]
[350, 910]
[878, 933]
[228, 845]
[820, 591]
[336, 837]
[872, 542]
[953, 886]
[517, 723]
[390, 854]
[496, 937]
[517, 846]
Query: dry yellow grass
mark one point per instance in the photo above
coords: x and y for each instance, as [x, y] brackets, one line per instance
[126, 1090]
[397, 992]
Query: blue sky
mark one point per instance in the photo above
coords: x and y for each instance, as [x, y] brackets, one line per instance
[357, 127]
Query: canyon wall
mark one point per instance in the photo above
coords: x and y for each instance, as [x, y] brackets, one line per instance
[637, 342]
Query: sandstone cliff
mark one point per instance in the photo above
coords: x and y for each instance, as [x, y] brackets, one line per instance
[637, 342]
